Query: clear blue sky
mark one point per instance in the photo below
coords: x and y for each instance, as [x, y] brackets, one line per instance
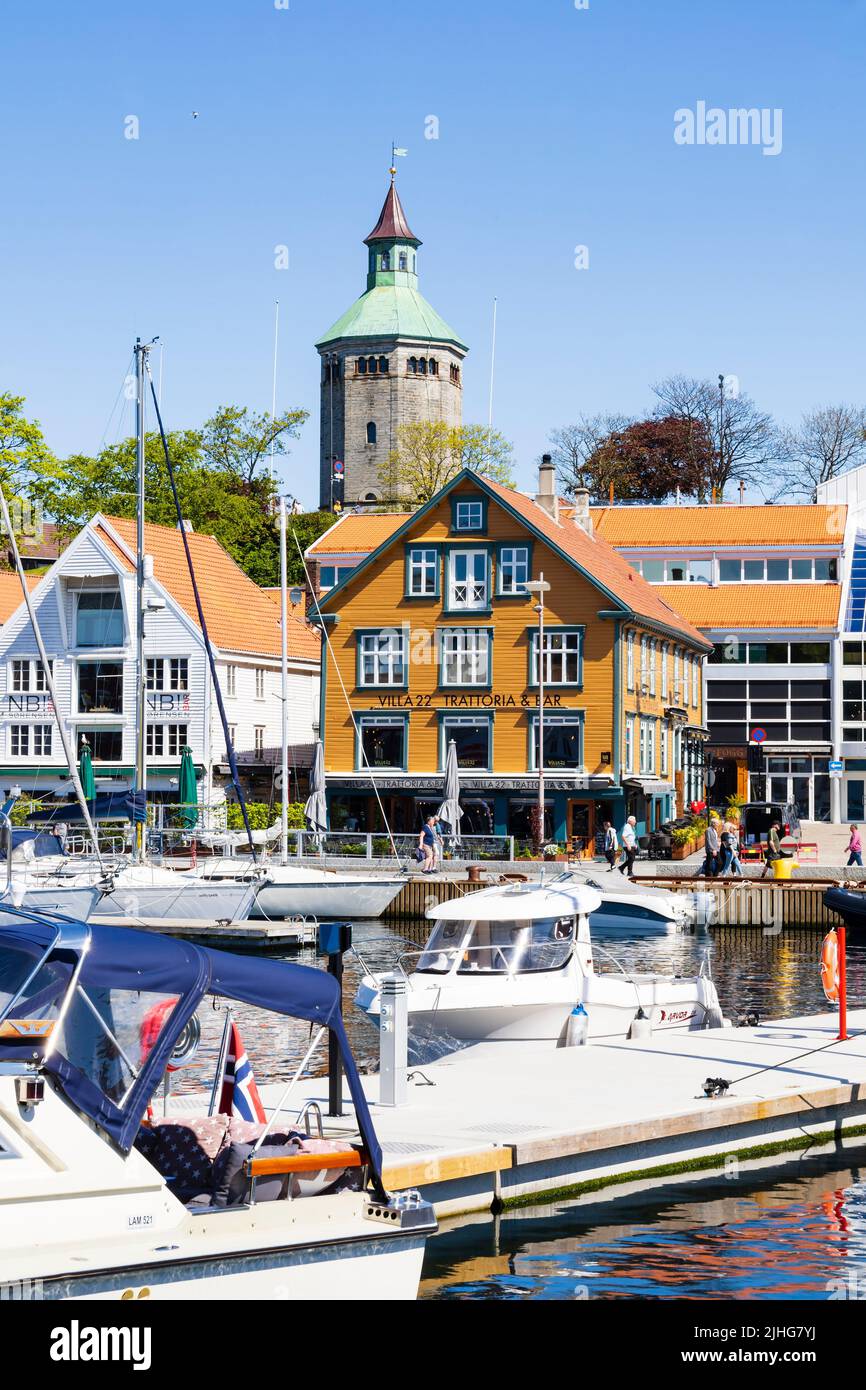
[556, 129]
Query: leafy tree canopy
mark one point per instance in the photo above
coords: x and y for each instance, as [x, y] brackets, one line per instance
[430, 452]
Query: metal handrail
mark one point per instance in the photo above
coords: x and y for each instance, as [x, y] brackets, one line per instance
[311, 1107]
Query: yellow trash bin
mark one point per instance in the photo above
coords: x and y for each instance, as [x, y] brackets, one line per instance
[782, 867]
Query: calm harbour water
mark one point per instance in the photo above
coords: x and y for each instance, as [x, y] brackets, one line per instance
[797, 1232]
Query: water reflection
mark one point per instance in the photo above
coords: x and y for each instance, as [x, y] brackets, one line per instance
[765, 1235]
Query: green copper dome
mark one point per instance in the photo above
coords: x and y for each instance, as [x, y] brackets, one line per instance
[392, 311]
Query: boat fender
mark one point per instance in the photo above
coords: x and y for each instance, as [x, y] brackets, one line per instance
[641, 1026]
[830, 966]
[577, 1029]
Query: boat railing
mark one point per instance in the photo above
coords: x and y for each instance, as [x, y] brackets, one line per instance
[397, 951]
[311, 1107]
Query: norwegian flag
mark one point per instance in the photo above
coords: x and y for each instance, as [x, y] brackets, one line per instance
[239, 1094]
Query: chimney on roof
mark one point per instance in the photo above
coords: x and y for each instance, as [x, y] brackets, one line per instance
[581, 513]
[546, 497]
[185, 525]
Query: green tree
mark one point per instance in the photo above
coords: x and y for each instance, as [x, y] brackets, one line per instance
[238, 440]
[430, 452]
[306, 527]
[25, 460]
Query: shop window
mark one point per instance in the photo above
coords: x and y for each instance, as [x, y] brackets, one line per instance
[472, 738]
[382, 740]
[563, 743]
[100, 687]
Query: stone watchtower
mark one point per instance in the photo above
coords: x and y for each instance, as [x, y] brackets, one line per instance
[390, 360]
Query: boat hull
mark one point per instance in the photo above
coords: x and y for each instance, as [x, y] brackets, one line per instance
[79, 903]
[850, 906]
[371, 1269]
[191, 900]
[326, 897]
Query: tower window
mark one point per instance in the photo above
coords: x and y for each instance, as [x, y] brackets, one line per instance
[362, 366]
[413, 364]
[384, 365]
[422, 366]
[404, 261]
[386, 260]
[455, 373]
[434, 367]
[371, 432]
[371, 364]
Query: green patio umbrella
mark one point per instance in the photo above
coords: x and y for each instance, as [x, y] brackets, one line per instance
[85, 772]
[187, 792]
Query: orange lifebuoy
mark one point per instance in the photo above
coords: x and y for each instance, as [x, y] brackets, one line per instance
[830, 967]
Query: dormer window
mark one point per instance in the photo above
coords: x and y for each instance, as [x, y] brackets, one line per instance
[468, 513]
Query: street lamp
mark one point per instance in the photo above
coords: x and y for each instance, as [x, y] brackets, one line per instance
[541, 587]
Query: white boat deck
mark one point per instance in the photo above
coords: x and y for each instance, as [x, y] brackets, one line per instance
[504, 1120]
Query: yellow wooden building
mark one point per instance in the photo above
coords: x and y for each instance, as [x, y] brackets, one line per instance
[429, 636]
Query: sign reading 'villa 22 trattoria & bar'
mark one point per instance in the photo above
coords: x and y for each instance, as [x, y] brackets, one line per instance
[485, 700]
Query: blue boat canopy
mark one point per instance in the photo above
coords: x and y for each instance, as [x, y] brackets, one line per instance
[145, 988]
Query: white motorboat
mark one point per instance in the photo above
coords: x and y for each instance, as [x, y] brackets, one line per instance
[294, 891]
[101, 1203]
[628, 905]
[513, 962]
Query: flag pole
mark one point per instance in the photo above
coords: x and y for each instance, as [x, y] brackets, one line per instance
[221, 1062]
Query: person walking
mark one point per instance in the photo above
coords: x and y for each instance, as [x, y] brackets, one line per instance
[730, 841]
[774, 848]
[427, 844]
[439, 844]
[611, 846]
[855, 848]
[712, 845]
[629, 847]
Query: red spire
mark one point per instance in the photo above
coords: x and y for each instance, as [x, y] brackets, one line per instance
[392, 224]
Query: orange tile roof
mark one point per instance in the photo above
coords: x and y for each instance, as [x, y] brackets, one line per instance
[756, 605]
[601, 562]
[240, 616]
[10, 592]
[726, 524]
[358, 533]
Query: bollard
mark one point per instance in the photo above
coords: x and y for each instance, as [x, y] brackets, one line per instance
[393, 1039]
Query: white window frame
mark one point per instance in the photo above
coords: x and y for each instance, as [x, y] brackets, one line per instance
[629, 660]
[258, 738]
[559, 648]
[509, 565]
[664, 736]
[665, 653]
[653, 655]
[468, 651]
[20, 734]
[178, 678]
[423, 565]
[647, 745]
[386, 649]
[644, 663]
[470, 592]
[231, 680]
[678, 678]
[468, 508]
[696, 666]
[260, 682]
[478, 720]
[628, 745]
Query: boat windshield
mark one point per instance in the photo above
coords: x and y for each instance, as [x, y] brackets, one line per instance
[505, 948]
[107, 1034]
[32, 987]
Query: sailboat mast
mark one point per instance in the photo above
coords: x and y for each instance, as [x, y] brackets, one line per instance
[141, 351]
[284, 667]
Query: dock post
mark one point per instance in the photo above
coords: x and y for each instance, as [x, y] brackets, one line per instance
[393, 1039]
[843, 985]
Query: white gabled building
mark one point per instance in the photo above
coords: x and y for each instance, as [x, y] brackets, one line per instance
[86, 606]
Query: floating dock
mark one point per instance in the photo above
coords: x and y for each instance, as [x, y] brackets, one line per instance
[504, 1123]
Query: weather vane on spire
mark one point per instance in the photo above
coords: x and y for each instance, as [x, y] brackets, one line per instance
[396, 153]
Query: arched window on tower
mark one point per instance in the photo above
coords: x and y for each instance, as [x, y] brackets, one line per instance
[422, 366]
[361, 365]
[386, 260]
[434, 367]
[371, 364]
[371, 432]
[404, 261]
[413, 365]
[384, 366]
